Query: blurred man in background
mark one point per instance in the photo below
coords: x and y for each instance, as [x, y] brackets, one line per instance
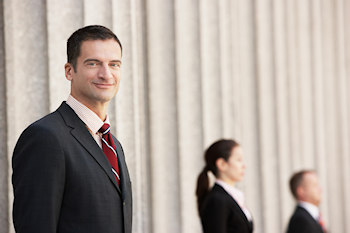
[306, 190]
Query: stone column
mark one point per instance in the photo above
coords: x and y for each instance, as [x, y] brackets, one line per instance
[211, 72]
[142, 191]
[101, 13]
[189, 102]
[249, 110]
[27, 83]
[226, 70]
[267, 118]
[70, 14]
[293, 90]
[346, 86]
[304, 85]
[4, 158]
[161, 61]
[343, 116]
[280, 74]
[236, 94]
[336, 218]
[130, 109]
[317, 41]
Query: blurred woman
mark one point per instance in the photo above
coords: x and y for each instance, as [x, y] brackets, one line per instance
[222, 208]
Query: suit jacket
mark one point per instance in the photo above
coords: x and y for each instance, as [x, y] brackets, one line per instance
[302, 222]
[63, 181]
[220, 213]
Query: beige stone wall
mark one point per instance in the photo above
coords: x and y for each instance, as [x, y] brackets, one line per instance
[273, 74]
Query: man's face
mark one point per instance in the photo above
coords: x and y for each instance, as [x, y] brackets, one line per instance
[98, 72]
[311, 190]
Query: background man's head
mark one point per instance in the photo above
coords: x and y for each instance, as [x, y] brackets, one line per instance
[305, 187]
[93, 32]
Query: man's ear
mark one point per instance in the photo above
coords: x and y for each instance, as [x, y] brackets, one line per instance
[221, 164]
[68, 70]
[300, 192]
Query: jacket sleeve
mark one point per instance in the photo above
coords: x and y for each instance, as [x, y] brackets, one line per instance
[38, 180]
[214, 216]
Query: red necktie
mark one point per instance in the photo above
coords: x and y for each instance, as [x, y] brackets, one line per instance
[321, 222]
[108, 148]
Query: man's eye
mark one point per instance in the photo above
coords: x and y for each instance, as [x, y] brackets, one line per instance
[115, 65]
[92, 64]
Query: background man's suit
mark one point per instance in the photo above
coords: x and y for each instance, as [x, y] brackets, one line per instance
[220, 213]
[58, 165]
[303, 222]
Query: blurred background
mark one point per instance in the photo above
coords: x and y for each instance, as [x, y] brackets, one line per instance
[272, 74]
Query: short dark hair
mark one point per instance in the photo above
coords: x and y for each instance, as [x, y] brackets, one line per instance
[296, 180]
[92, 32]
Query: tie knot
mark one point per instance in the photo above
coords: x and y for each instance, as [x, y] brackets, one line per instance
[104, 129]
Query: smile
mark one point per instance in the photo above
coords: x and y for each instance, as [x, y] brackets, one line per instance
[103, 85]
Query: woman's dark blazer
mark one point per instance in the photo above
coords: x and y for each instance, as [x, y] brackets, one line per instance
[220, 213]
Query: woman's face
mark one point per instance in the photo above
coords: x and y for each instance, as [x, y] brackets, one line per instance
[234, 169]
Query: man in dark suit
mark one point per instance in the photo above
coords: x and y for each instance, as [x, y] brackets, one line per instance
[306, 217]
[68, 175]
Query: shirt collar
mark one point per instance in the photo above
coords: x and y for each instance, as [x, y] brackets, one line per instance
[312, 209]
[237, 194]
[91, 120]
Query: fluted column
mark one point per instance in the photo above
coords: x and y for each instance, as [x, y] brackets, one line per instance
[346, 105]
[163, 117]
[293, 90]
[304, 85]
[101, 13]
[211, 72]
[27, 93]
[235, 66]
[267, 118]
[26, 70]
[342, 98]
[317, 54]
[249, 110]
[142, 187]
[283, 155]
[225, 51]
[70, 14]
[336, 218]
[189, 104]
[4, 159]
[130, 108]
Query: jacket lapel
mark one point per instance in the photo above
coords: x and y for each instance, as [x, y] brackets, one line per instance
[311, 219]
[122, 168]
[234, 205]
[83, 136]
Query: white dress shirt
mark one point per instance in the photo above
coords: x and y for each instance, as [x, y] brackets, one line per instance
[310, 208]
[90, 119]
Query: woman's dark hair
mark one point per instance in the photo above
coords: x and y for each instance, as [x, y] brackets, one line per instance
[219, 149]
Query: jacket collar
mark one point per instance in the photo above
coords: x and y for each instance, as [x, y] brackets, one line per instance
[83, 136]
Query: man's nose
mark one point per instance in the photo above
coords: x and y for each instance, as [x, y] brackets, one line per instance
[104, 72]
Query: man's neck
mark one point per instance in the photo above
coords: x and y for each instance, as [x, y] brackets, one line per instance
[97, 107]
[311, 208]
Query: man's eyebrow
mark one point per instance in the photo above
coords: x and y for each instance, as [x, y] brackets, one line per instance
[117, 61]
[91, 59]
